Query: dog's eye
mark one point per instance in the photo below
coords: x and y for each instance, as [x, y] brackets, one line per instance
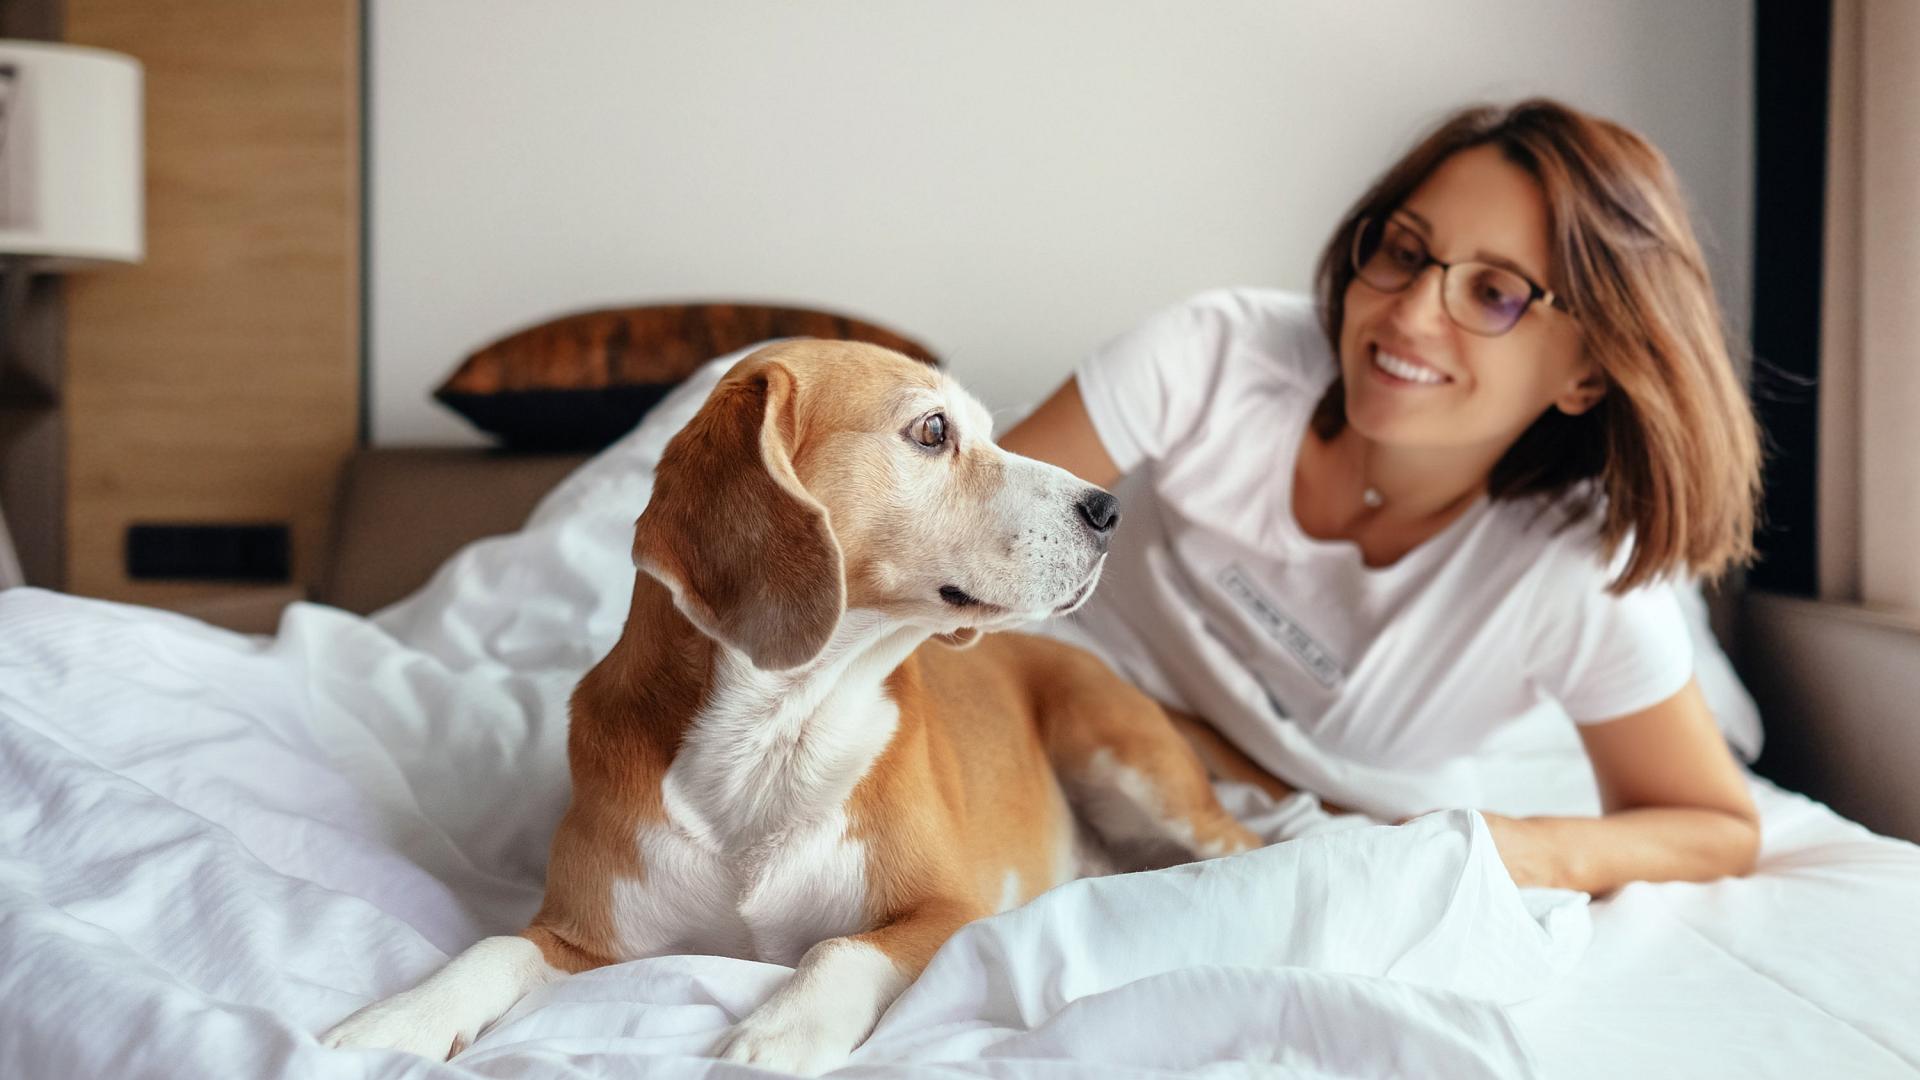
[930, 430]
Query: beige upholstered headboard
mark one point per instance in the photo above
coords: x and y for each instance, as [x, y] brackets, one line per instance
[401, 512]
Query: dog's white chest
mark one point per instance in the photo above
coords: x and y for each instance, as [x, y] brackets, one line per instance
[811, 887]
[770, 901]
[754, 857]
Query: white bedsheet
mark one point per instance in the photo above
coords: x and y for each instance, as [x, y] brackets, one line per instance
[213, 846]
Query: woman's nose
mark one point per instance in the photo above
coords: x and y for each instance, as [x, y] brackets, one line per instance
[1421, 308]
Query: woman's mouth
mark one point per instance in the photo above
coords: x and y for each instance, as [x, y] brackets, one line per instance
[1397, 370]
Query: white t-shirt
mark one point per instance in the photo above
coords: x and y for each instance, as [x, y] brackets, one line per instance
[1369, 687]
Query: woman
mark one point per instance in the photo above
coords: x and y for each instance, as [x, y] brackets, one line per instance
[1369, 531]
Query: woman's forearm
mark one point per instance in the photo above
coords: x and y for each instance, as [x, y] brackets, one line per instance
[1598, 855]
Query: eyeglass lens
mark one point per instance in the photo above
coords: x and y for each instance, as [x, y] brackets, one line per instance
[1478, 297]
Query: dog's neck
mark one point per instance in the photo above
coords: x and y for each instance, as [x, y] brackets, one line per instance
[764, 752]
[774, 750]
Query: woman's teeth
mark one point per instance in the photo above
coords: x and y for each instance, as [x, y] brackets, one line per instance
[1402, 368]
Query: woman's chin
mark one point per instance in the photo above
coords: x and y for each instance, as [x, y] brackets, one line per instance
[1380, 422]
[1404, 430]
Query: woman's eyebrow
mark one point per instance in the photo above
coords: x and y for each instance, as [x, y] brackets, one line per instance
[1425, 225]
[1506, 264]
[1479, 256]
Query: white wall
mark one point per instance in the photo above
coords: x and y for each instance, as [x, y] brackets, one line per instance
[1011, 182]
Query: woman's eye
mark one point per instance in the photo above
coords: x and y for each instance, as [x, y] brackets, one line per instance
[1497, 294]
[1406, 254]
[931, 431]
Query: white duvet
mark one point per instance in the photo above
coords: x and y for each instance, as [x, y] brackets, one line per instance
[214, 846]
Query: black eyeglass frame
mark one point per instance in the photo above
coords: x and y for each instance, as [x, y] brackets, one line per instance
[1536, 292]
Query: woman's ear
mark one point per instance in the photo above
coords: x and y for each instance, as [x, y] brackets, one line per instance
[1585, 391]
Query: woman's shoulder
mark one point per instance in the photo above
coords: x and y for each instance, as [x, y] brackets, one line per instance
[1251, 313]
[1559, 544]
[1599, 653]
[1278, 330]
[1560, 534]
[1165, 386]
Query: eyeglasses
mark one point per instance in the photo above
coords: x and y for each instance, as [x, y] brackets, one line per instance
[1479, 297]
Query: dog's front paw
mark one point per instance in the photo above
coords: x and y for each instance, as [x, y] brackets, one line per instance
[409, 1022]
[807, 1046]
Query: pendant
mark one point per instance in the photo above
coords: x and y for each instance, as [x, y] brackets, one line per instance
[1372, 499]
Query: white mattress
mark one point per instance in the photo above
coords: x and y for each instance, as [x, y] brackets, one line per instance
[213, 846]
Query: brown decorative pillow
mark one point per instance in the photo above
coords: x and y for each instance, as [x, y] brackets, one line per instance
[579, 382]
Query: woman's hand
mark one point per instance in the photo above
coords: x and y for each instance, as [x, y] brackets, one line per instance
[1524, 846]
[1598, 855]
[1677, 808]
[1527, 853]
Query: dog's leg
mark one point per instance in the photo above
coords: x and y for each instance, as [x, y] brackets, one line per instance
[1222, 759]
[839, 992]
[440, 1017]
[1139, 785]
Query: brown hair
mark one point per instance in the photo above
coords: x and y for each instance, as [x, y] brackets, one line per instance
[1672, 447]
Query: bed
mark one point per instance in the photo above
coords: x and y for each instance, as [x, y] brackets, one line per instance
[214, 845]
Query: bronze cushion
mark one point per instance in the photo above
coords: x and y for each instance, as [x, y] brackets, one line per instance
[577, 383]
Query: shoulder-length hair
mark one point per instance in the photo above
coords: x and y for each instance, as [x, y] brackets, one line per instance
[1672, 450]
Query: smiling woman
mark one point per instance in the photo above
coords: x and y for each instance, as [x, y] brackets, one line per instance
[1621, 374]
[1374, 529]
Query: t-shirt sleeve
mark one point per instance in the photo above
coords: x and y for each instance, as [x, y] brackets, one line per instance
[1603, 656]
[1147, 390]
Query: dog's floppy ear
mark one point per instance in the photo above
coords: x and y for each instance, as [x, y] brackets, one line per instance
[747, 552]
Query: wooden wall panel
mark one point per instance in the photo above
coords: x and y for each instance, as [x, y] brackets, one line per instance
[219, 380]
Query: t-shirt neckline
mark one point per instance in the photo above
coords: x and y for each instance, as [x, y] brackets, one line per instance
[1297, 536]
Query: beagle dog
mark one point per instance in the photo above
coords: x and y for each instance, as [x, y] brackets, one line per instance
[775, 763]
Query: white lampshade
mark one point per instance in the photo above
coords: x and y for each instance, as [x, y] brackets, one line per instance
[70, 156]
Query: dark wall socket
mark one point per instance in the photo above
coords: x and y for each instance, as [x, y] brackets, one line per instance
[208, 552]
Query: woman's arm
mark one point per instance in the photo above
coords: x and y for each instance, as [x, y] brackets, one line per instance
[1675, 801]
[1060, 433]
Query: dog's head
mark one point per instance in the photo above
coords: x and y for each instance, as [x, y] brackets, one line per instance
[823, 475]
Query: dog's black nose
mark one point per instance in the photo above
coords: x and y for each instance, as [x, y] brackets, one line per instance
[1100, 511]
